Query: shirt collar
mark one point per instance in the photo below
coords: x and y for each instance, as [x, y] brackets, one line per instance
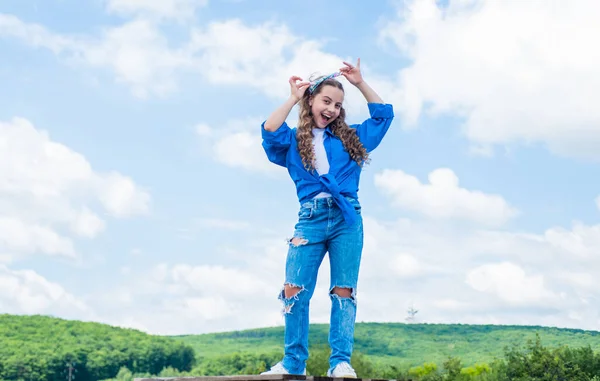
[327, 130]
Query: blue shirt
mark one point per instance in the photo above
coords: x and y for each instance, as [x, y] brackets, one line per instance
[342, 180]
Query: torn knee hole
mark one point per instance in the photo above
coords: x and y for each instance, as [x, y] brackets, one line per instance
[297, 241]
[291, 291]
[342, 292]
[289, 296]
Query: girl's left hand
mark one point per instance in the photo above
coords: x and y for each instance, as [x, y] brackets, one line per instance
[352, 73]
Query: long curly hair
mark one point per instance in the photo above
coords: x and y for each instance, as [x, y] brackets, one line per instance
[339, 128]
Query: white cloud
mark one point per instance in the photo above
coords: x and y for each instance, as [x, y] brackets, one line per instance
[264, 56]
[238, 144]
[17, 235]
[167, 9]
[450, 304]
[492, 261]
[136, 51]
[26, 292]
[510, 283]
[449, 273]
[581, 280]
[260, 57]
[87, 223]
[443, 198]
[139, 55]
[243, 150]
[405, 265]
[208, 308]
[581, 242]
[31, 163]
[184, 298]
[211, 280]
[47, 190]
[34, 34]
[203, 129]
[234, 53]
[121, 196]
[534, 81]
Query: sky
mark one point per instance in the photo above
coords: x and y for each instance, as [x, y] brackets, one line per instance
[134, 190]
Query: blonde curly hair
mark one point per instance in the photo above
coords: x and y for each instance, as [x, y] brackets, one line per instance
[339, 128]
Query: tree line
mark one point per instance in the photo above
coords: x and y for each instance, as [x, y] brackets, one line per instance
[530, 361]
[44, 348]
[47, 349]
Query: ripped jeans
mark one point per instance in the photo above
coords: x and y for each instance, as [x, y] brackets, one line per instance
[320, 229]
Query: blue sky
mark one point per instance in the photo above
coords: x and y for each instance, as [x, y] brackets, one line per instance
[134, 191]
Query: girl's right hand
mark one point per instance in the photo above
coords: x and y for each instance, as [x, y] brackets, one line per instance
[298, 88]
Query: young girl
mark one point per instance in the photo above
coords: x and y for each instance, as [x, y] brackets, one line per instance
[324, 156]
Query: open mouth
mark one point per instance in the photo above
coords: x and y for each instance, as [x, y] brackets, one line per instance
[326, 118]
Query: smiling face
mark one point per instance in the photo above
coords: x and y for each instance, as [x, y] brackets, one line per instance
[326, 105]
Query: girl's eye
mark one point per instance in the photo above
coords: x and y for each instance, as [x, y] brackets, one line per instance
[338, 106]
[326, 102]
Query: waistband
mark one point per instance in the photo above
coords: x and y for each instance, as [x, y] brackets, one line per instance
[325, 201]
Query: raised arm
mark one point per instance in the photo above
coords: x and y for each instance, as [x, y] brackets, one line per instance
[372, 130]
[369, 94]
[354, 76]
[297, 90]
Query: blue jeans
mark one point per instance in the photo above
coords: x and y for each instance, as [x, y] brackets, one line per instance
[320, 229]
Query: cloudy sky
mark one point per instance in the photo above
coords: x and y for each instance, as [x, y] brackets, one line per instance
[134, 190]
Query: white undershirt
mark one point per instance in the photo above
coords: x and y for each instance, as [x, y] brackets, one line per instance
[321, 162]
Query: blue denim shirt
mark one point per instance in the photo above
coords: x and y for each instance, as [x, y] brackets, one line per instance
[344, 173]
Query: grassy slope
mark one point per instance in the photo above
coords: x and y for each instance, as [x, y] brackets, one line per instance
[391, 343]
[43, 336]
[402, 344]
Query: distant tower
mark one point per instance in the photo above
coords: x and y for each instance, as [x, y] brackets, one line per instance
[411, 314]
[71, 367]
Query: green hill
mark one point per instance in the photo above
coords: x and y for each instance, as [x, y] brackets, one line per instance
[402, 344]
[39, 347]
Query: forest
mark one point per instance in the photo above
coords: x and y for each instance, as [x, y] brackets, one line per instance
[44, 348]
[47, 348]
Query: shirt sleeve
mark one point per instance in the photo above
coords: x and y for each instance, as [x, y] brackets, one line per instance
[277, 143]
[371, 131]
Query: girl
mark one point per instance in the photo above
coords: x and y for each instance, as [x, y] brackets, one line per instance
[324, 156]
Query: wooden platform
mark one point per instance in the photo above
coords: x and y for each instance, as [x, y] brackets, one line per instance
[278, 377]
